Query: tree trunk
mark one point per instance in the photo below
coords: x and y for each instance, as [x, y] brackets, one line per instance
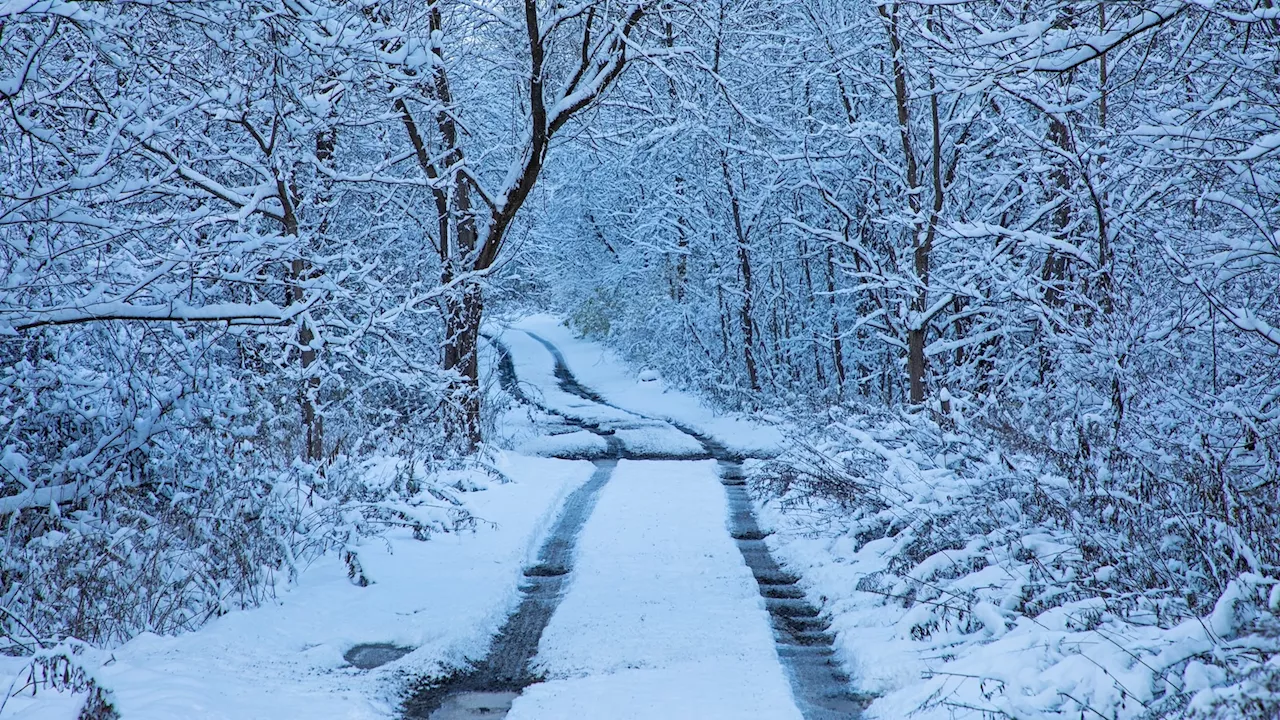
[744, 268]
[682, 243]
[299, 271]
[748, 326]
[820, 375]
[312, 422]
[920, 245]
[463, 312]
[837, 345]
[915, 364]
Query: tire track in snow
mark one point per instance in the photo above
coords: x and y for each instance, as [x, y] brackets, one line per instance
[820, 686]
[804, 647]
[487, 689]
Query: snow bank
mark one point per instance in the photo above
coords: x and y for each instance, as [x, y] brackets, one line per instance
[445, 597]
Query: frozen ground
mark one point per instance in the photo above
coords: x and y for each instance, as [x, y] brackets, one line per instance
[657, 613]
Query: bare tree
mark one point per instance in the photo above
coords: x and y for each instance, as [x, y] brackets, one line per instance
[560, 60]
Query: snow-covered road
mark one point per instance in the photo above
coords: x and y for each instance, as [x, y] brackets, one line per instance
[673, 605]
[662, 618]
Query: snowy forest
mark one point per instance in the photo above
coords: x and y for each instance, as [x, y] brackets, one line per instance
[1003, 278]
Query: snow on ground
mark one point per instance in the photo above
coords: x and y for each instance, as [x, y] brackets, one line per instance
[675, 615]
[658, 440]
[47, 705]
[601, 370]
[576, 443]
[535, 370]
[986, 619]
[445, 597]
[662, 618]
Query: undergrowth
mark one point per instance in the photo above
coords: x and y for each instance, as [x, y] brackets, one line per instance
[984, 540]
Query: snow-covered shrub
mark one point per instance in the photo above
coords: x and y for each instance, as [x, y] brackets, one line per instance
[65, 667]
[151, 483]
[204, 336]
[999, 559]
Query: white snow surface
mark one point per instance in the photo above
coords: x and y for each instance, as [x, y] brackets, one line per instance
[445, 597]
[947, 638]
[662, 618]
[1068, 660]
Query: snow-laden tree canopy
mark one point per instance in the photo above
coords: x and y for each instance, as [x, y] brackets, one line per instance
[246, 244]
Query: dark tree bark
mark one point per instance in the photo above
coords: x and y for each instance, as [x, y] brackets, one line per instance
[901, 94]
[744, 269]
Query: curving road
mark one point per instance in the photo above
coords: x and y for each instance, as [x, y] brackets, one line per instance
[655, 595]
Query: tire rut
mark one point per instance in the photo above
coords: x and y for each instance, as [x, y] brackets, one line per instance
[805, 645]
[488, 687]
